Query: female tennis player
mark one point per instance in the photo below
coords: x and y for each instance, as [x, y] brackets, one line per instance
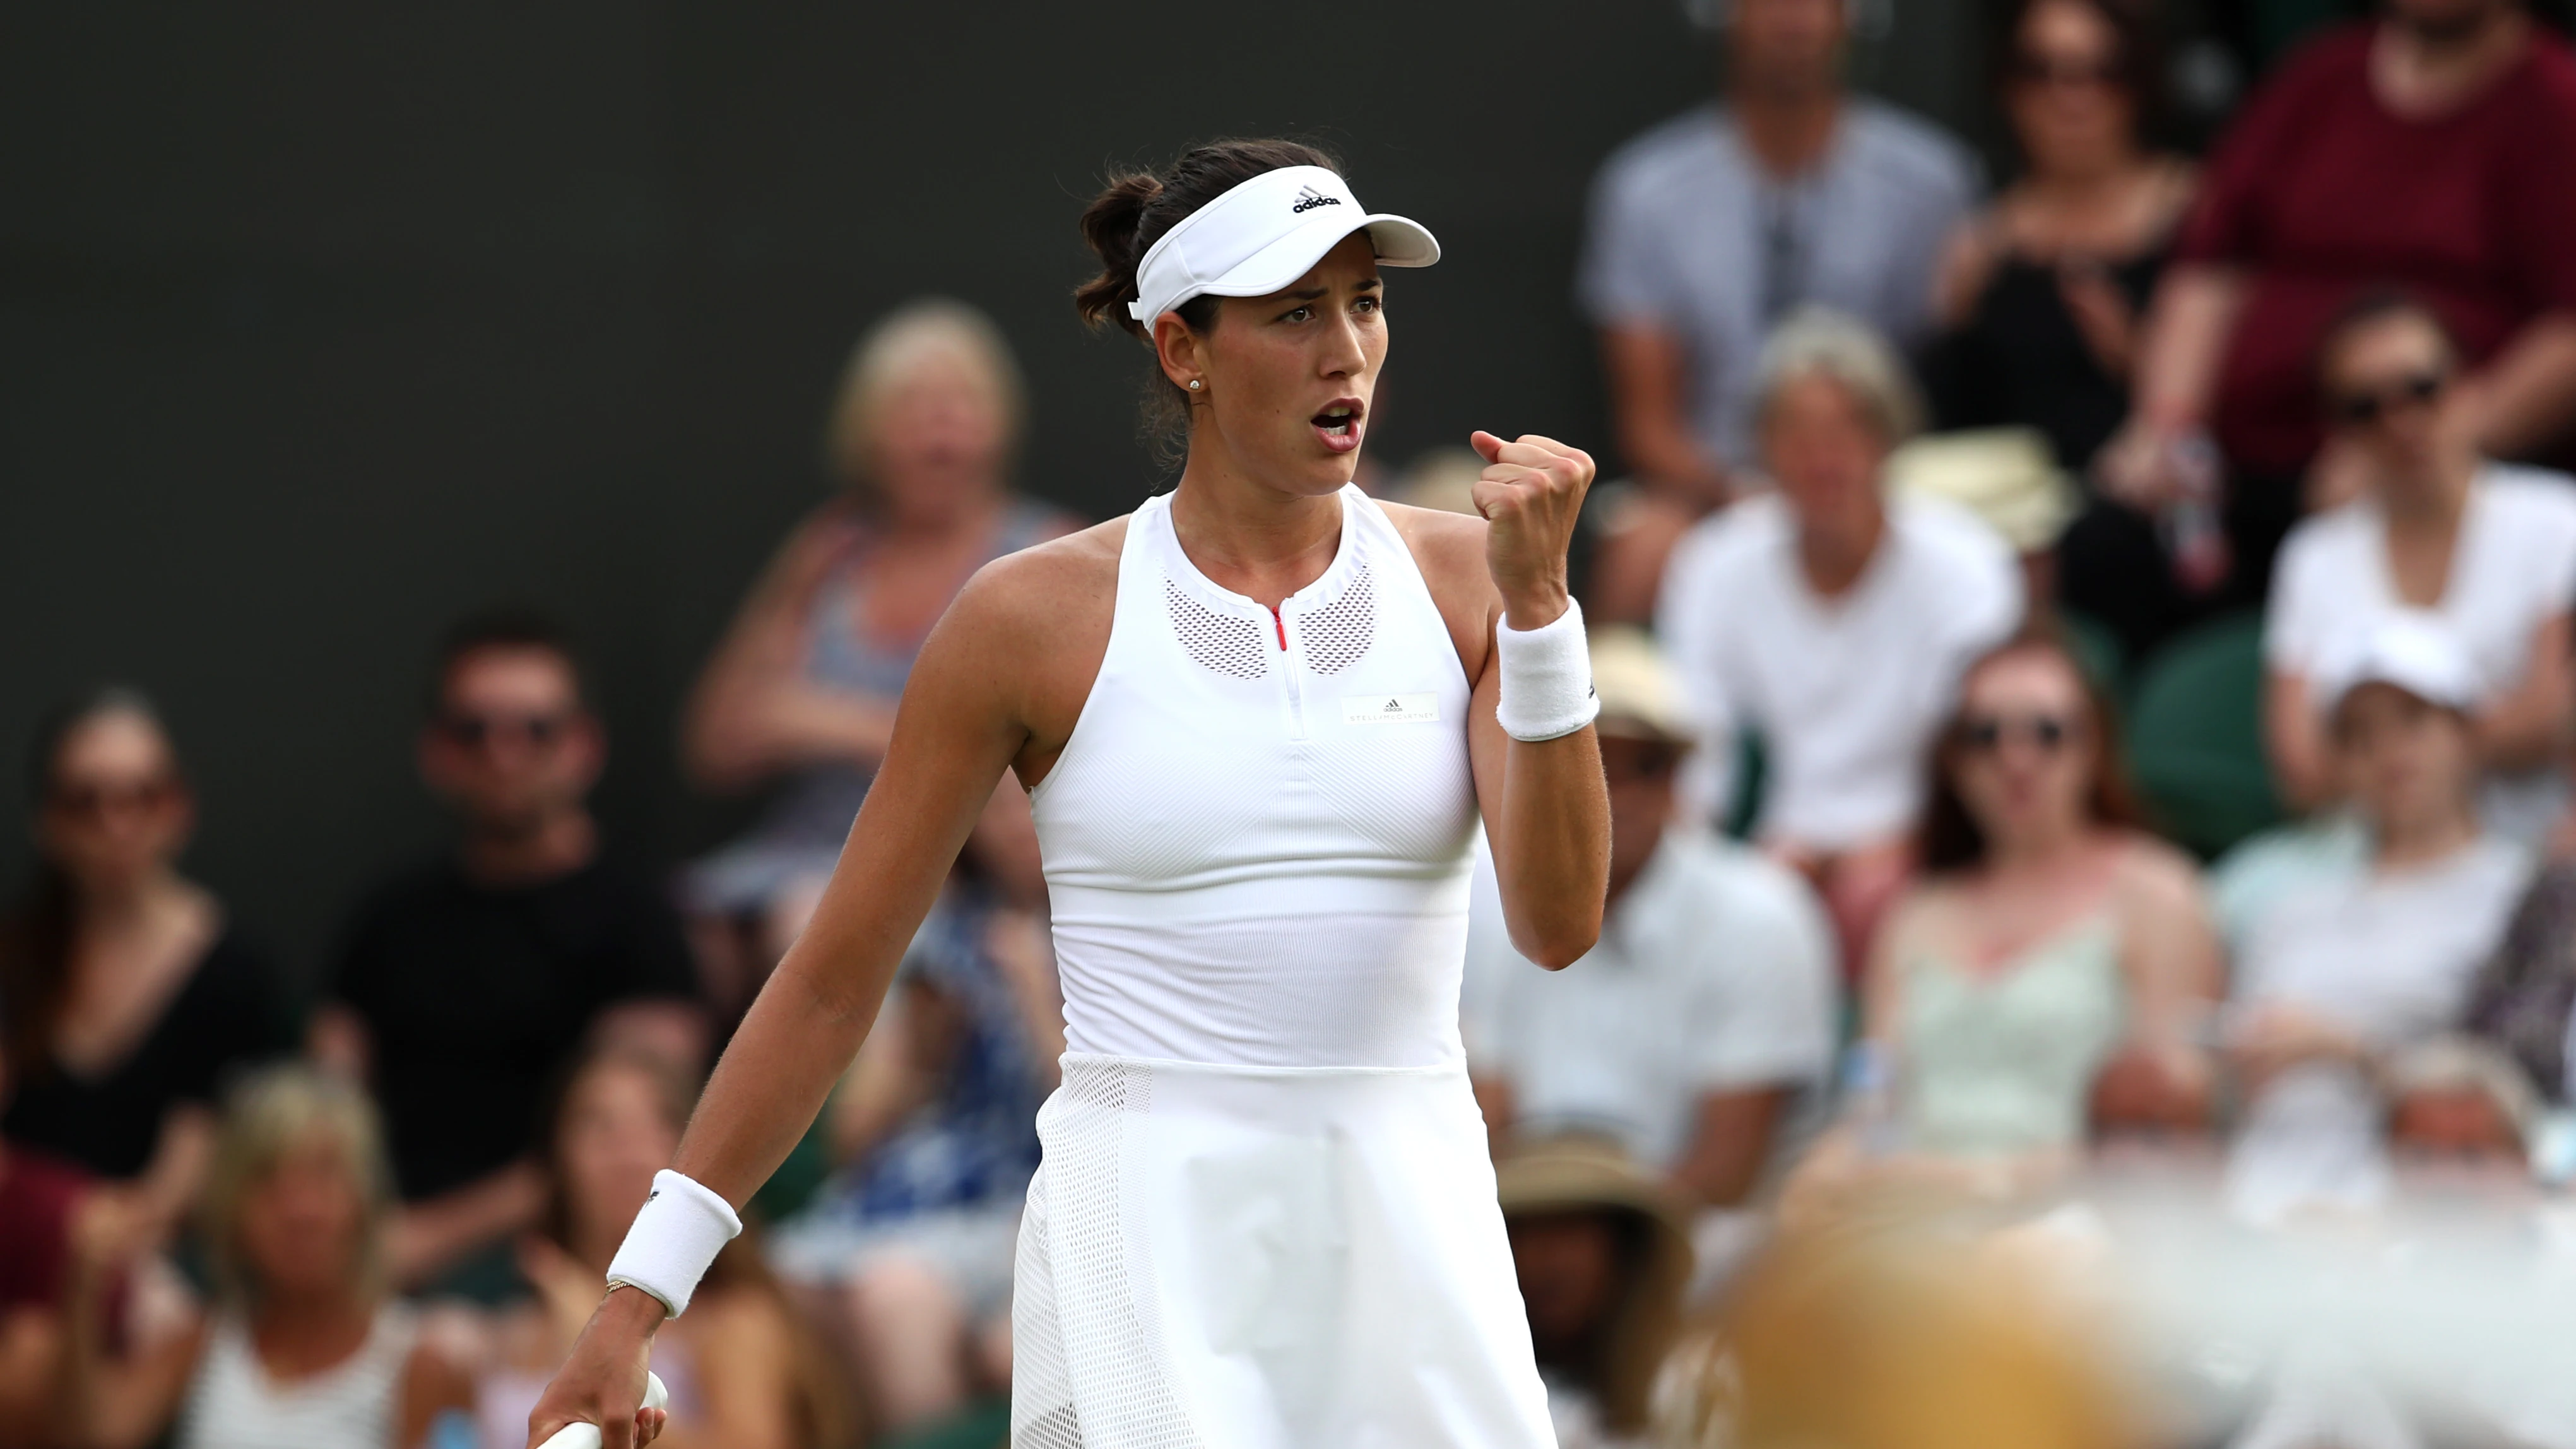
[1258, 719]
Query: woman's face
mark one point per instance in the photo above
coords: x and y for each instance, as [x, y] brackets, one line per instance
[1288, 378]
[2024, 755]
[1824, 453]
[2391, 393]
[2409, 764]
[116, 808]
[939, 439]
[614, 1136]
[298, 1233]
[2068, 104]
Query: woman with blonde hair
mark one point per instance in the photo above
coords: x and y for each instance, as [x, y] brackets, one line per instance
[306, 1349]
[802, 690]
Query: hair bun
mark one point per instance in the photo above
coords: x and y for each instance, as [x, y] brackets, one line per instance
[1110, 225]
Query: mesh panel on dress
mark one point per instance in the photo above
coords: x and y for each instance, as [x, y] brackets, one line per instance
[1075, 1318]
[1337, 634]
[1225, 643]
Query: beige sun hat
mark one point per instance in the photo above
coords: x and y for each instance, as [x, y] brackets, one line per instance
[1584, 1173]
[1641, 699]
[2006, 476]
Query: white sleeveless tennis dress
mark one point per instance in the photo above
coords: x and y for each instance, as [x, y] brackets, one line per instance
[1266, 1219]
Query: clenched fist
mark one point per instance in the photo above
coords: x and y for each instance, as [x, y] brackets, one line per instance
[1531, 492]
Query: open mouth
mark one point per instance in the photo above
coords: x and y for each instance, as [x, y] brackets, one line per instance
[1339, 424]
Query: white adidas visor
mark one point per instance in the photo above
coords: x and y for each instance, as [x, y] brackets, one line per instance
[1262, 236]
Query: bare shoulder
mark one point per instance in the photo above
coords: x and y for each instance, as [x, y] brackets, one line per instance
[2157, 878]
[1044, 584]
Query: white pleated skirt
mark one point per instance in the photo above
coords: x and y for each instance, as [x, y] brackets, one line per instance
[1248, 1258]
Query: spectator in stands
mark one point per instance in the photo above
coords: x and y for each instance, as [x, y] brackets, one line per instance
[911, 1243]
[467, 982]
[42, 1199]
[2433, 149]
[126, 990]
[742, 1371]
[1708, 231]
[803, 688]
[2524, 1002]
[305, 1346]
[1602, 1256]
[2041, 295]
[2050, 972]
[1831, 621]
[1699, 1034]
[2489, 548]
[2340, 976]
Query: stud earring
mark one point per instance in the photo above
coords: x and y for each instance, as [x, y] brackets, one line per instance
[1194, 384]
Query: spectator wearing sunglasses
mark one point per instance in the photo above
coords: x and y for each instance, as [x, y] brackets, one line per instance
[2048, 975]
[2433, 147]
[466, 983]
[127, 991]
[2042, 294]
[2487, 547]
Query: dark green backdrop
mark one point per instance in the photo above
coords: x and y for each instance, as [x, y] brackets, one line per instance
[321, 323]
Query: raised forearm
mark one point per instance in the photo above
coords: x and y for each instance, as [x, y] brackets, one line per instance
[2185, 342]
[1552, 849]
[2531, 389]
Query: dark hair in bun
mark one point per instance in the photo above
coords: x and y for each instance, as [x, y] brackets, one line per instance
[1133, 212]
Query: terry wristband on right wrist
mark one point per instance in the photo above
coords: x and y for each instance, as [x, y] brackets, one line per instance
[1546, 678]
[682, 1227]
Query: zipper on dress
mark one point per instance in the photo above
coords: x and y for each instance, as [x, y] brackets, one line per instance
[1288, 676]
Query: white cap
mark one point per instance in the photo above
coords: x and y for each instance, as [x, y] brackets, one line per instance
[2410, 649]
[1264, 234]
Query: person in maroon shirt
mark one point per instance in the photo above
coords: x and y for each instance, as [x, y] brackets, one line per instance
[2432, 150]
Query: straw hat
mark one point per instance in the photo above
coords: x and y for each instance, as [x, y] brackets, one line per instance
[1579, 1173]
[2006, 476]
[1640, 698]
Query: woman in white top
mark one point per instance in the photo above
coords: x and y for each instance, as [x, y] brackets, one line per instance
[1833, 621]
[2491, 549]
[1259, 718]
[2338, 978]
[307, 1351]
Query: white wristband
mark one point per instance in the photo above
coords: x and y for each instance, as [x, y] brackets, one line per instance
[1546, 678]
[681, 1229]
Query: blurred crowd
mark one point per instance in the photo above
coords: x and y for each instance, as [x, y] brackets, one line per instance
[2088, 708]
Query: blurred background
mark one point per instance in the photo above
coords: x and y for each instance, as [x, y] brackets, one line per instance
[323, 326]
[2080, 584]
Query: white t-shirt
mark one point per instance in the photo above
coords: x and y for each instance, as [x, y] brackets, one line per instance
[2389, 956]
[2512, 568]
[1714, 973]
[1845, 692]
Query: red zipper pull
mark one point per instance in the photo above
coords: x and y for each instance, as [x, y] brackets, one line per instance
[1283, 628]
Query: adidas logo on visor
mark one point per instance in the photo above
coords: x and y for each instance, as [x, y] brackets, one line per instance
[1308, 198]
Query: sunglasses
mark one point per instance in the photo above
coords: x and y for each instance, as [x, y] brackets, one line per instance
[96, 800]
[2031, 69]
[2361, 409]
[478, 731]
[1986, 734]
